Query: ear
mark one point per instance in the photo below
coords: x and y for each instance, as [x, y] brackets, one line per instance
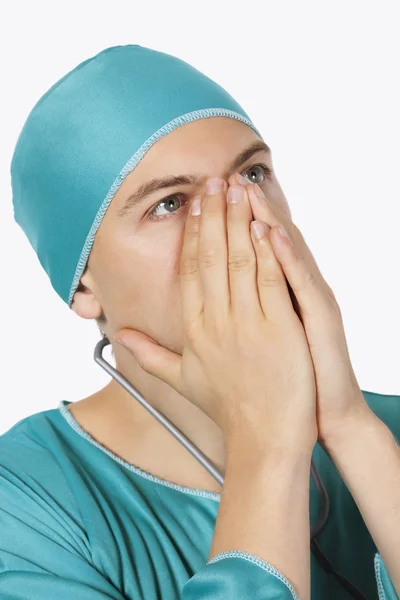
[85, 303]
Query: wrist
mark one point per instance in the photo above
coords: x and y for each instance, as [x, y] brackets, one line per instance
[355, 429]
[249, 455]
[246, 441]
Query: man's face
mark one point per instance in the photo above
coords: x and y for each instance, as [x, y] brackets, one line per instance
[133, 268]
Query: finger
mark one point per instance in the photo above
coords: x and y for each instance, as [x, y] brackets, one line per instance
[272, 287]
[190, 283]
[212, 255]
[262, 208]
[301, 279]
[151, 357]
[242, 261]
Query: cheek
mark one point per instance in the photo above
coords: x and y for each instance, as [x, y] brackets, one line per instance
[136, 266]
[277, 198]
[159, 246]
[151, 267]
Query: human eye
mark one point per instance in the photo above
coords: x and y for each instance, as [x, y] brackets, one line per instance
[266, 170]
[155, 216]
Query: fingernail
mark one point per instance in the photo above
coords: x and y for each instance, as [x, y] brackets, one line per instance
[196, 206]
[120, 341]
[258, 229]
[214, 185]
[283, 231]
[240, 179]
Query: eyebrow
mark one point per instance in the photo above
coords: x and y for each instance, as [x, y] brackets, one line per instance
[189, 179]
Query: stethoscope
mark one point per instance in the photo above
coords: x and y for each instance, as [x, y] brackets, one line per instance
[207, 464]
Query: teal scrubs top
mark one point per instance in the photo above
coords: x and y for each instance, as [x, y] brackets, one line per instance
[78, 522]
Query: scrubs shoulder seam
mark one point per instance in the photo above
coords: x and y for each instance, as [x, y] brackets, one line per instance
[377, 565]
[144, 474]
[257, 561]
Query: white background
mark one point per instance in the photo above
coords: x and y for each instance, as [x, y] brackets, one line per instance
[319, 80]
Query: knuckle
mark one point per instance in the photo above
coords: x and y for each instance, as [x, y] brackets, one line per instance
[208, 257]
[270, 274]
[307, 281]
[240, 261]
[268, 280]
[188, 267]
[309, 278]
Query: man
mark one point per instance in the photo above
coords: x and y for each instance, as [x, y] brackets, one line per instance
[97, 499]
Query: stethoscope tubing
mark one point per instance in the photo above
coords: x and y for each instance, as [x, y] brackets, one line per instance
[207, 464]
[192, 448]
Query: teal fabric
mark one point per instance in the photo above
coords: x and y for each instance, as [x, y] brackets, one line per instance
[76, 521]
[87, 133]
[385, 586]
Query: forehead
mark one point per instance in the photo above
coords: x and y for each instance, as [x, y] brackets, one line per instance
[201, 145]
[211, 137]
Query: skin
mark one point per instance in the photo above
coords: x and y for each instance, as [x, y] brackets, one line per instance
[133, 277]
[358, 443]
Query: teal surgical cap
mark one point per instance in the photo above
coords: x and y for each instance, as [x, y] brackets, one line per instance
[87, 133]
